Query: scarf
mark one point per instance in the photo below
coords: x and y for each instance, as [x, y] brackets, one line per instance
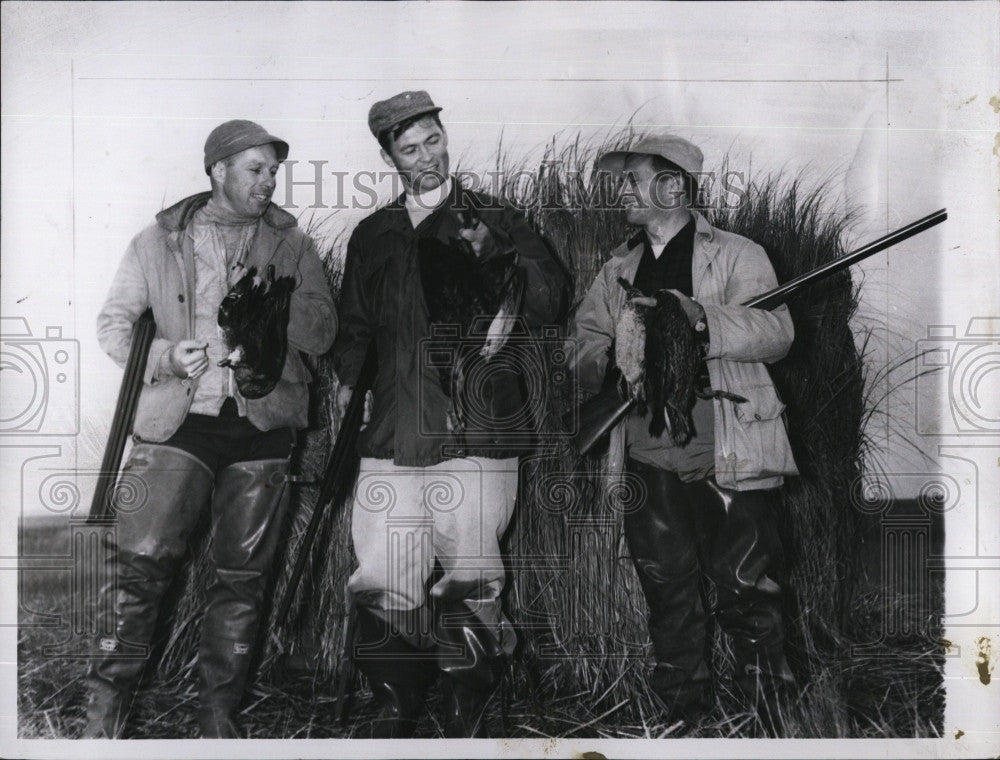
[231, 233]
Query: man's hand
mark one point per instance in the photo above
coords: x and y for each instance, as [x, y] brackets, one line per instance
[692, 309]
[344, 399]
[478, 236]
[188, 358]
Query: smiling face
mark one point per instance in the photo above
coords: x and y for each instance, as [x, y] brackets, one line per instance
[420, 155]
[649, 193]
[244, 183]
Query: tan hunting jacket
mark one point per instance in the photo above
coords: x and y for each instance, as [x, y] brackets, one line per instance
[158, 271]
[751, 444]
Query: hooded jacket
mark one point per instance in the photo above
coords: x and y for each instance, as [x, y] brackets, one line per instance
[158, 271]
[751, 445]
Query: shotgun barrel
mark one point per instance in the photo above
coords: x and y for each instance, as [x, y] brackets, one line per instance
[783, 292]
[121, 424]
[337, 476]
[600, 414]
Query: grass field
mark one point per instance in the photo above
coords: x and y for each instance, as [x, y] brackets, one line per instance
[889, 689]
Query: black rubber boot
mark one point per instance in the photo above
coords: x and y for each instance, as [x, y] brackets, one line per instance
[464, 711]
[664, 542]
[472, 659]
[150, 539]
[398, 670]
[400, 707]
[248, 508]
[748, 568]
[766, 686]
[113, 677]
[685, 696]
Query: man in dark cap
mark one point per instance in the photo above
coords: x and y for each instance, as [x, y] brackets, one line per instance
[198, 440]
[438, 475]
[708, 505]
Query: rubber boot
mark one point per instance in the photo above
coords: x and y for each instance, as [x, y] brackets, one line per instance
[767, 687]
[472, 659]
[150, 540]
[748, 569]
[398, 671]
[685, 695]
[665, 543]
[400, 707]
[248, 508]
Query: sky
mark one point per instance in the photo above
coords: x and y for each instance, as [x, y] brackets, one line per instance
[105, 109]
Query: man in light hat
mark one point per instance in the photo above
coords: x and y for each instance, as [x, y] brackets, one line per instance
[198, 441]
[439, 467]
[708, 505]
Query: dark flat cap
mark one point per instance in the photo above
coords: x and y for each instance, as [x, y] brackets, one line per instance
[386, 114]
[237, 135]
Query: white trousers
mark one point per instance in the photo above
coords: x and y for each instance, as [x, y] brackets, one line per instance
[405, 517]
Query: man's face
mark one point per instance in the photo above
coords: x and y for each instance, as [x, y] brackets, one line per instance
[245, 182]
[420, 155]
[647, 193]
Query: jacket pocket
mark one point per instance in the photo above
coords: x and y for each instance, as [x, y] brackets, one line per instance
[286, 406]
[762, 403]
[295, 370]
[162, 408]
[760, 444]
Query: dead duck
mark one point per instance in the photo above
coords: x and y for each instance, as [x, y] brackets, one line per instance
[253, 318]
[658, 356]
[472, 307]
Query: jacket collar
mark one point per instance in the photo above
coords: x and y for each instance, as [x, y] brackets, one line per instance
[705, 249]
[703, 229]
[395, 217]
[179, 216]
[392, 217]
[704, 239]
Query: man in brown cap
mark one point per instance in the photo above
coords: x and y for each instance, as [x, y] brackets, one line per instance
[198, 439]
[708, 504]
[438, 474]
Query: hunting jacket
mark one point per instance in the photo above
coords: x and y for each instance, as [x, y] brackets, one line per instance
[158, 271]
[751, 444]
[382, 299]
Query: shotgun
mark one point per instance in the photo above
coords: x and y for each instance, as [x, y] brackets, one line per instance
[598, 415]
[338, 474]
[143, 331]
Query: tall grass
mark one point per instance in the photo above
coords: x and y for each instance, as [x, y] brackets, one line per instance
[583, 657]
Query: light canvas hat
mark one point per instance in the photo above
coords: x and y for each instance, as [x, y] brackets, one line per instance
[679, 151]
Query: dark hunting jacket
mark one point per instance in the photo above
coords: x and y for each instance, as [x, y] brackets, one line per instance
[382, 299]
